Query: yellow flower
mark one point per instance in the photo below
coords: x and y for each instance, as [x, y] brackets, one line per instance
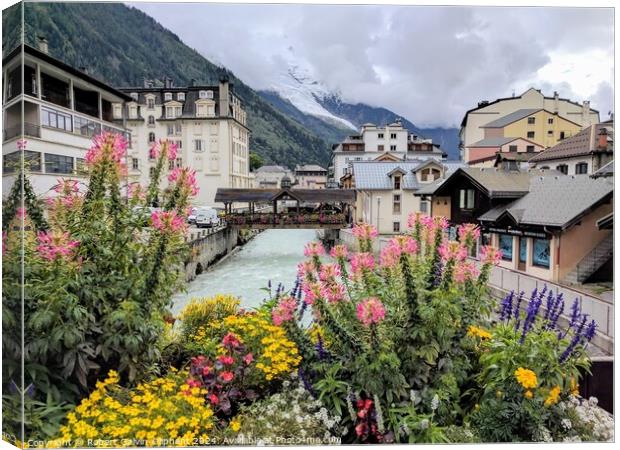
[528, 394]
[235, 425]
[574, 387]
[478, 332]
[553, 397]
[526, 378]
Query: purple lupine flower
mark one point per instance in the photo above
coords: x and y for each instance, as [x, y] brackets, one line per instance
[558, 309]
[517, 311]
[589, 334]
[506, 310]
[437, 274]
[319, 347]
[578, 337]
[550, 305]
[532, 311]
[306, 383]
[574, 317]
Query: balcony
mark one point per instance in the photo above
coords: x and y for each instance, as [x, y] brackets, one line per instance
[28, 129]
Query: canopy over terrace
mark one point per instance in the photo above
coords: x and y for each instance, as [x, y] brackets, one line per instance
[340, 198]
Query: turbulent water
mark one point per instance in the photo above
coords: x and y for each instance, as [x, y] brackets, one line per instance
[272, 255]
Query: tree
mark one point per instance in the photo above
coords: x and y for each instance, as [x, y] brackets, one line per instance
[256, 161]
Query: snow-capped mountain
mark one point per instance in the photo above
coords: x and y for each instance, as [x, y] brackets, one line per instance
[297, 85]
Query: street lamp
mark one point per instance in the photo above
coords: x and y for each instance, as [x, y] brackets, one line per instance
[378, 212]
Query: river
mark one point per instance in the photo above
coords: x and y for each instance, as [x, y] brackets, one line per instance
[271, 255]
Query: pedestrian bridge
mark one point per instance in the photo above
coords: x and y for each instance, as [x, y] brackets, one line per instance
[290, 208]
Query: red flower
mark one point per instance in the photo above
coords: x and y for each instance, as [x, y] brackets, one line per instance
[230, 340]
[226, 376]
[214, 399]
[248, 358]
[227, 360]
[361, 429]
[367, 404]
[206, 370]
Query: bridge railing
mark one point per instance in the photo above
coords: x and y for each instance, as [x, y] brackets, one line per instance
[291, 218]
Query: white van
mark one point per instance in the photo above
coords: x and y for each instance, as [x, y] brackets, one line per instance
[207, 217]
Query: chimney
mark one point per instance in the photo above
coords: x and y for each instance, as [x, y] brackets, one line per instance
[602, 139]
[556, 102]
[167, 83]
[42, 44]
[192, 82]
[224, 96]
[585, 113]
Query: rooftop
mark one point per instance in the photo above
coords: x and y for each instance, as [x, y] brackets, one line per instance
[583, 143]
[510, 118]
[373, 175]
[271, 169]
[546, 203]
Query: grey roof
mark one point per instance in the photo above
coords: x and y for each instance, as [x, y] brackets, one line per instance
[510, 118]
[373, 175]
[309, 168]
[554, 201]
[606, 171]
[493, 142]
[271, 169]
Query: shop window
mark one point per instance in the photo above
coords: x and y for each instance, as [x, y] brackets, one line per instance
[505, 245]
[541, 253]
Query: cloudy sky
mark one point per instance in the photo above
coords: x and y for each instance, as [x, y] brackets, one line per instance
[428, 64]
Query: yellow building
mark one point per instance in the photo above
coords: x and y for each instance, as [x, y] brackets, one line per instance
[537, 125]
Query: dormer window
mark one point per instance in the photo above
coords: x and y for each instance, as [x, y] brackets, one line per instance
[397, 180]
[167, 96]
[173, 112]
[202, 94]
[181, 96]
[134, 95]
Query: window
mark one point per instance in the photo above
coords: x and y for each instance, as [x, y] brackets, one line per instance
[171, 164]
[424, 206]
[55, 119]
[134, 95]
[151, 137]
[86, 127]
[135, 163]
[581, 168]
[541, 253]
[32, 161]
[58, 163]
[505, 245]
[167, 96]
[392, 135]
[429, 174]
[396, 227]
[380, 136]
[181, 96]
[198, 145]
[531, 134]
[152, 172]
[180, 144]
[396, 204]
[529, 149]
[151, 120]
[531, 120]
[178, 128]
[205, 94]
[170, 129]
[512, 148]
[549, 132]
[466, 198]
[380, 148]
[179, 162]
[562, 168]
[522, 250]
[392, 148]
[133, 111]
[397, 182]
[550, 120]
[150, 103]
[562, 135]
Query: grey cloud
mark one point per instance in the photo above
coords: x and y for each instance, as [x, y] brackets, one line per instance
[429, 64]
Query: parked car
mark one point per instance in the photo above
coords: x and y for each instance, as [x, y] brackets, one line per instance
[207, 217]
[191, 218]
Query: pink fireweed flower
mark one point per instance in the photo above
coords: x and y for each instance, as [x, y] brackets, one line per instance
[490, 255]
[361, 262]
[329, 272]
[226, 359]
[185, 178]
[413, 219]
[452, 250]
[230, 340]
[441, 222]
[66, 187]
[173, 150]
[333, 292]
[406, 244]
[107, 147]
[55, 244]
[305, 270]
[154, 150]
[248, 358]
[314, 249]
[468, 231]
[284, 311]
[21, 212]
[339, 252]
[365, 231]
[370, 311]
[426, 221]
[135, 191]
[464, 271]
[390, 256]
[168, 221]
[312, 292]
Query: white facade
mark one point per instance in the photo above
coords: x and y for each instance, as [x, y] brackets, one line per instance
[62, 109]
[208, 123]
[374, 141]
[270, 177]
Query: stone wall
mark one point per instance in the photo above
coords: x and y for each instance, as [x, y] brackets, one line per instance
[207, 246]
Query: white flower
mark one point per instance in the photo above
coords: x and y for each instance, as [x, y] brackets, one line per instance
[566, 423]
[435, 402]
[286, 384]
[424, 423]
[593, 401]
